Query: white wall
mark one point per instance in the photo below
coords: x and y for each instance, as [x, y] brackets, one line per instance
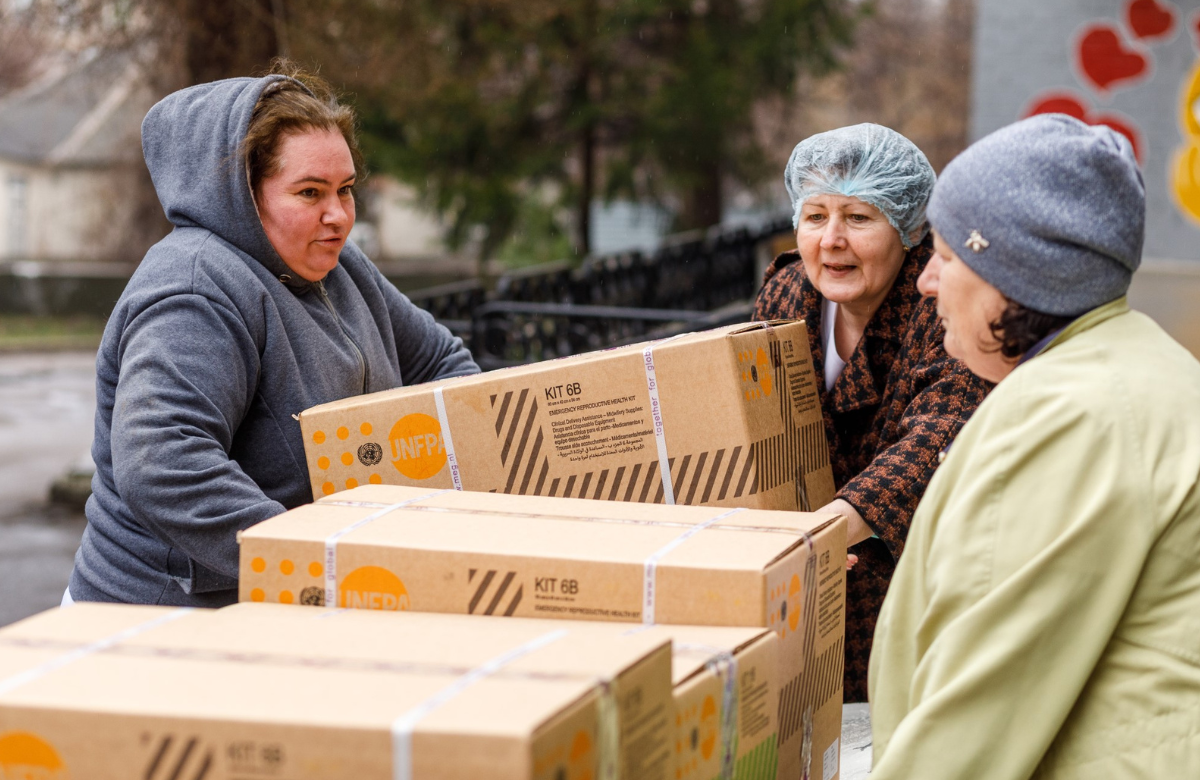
[65, 214]
[402, 229]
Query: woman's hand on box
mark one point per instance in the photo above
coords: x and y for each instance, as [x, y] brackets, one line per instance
[857, 529]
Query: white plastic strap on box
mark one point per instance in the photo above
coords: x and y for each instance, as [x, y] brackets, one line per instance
[808, 614]
[403, 726]
[660, 438]
[29, 675]
[650, 568]
[608, 731]
[331, 576]
[729, 708]
[447, 439]
[729, 705]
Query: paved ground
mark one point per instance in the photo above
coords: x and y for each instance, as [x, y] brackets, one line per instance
[856, 741]
[47, 404]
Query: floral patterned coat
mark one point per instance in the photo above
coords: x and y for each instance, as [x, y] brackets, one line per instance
[898, 402]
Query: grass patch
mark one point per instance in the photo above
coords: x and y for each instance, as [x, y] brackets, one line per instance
[30, 333]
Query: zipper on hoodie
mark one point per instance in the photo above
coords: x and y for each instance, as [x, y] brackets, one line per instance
[362, 363]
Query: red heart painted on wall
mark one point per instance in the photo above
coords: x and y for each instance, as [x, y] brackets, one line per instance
[1150, 19]
[1064, 103]
[1105, 61]
[1072, 105]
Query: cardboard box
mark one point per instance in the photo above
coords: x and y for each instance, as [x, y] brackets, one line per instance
[262, 691]
[726, 701]
[398, 548]
[733, 412]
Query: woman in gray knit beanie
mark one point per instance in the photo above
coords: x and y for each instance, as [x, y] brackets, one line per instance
[1042, 621]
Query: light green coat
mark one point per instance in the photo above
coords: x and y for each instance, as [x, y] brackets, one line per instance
[1044, 620]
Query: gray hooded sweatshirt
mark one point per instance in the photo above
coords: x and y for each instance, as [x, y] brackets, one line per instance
[211, 349]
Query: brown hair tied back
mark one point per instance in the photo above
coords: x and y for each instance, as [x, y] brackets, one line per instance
[1019, 328]
[303, 101]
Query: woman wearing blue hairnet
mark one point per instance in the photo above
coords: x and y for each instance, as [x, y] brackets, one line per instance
[893, 399]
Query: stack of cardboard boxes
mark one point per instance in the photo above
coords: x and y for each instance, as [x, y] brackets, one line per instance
[700, 641]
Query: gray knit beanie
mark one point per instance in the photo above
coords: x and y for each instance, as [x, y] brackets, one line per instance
[1049, 211]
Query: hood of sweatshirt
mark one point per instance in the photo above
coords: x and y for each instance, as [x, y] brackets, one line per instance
[192, 140]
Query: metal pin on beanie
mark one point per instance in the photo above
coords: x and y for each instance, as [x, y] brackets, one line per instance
[976, 243]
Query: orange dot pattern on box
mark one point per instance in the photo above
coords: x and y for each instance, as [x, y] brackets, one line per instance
[295, 579]
[784, 607]
[367, 587]
[756, 374]
[369, 453]
[696, 732]
[575, 760]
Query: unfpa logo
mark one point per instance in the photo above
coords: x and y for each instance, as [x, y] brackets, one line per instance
[417, 448]
[757, 378]
[24, 756]
[373, 587]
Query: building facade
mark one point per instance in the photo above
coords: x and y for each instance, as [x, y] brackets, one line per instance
[72, 181]
[1131, 64]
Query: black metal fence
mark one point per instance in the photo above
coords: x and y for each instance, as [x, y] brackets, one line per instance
[693, 282]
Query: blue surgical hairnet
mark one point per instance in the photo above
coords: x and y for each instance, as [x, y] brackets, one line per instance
[870, 162]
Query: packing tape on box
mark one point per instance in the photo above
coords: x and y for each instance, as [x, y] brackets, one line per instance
[762, 529]
[447, 440]
[660, 437]
[608, 731]
[729, 705]
[650, 567]
[808, 689]
[331, 543]
[243, 657]
[29, 675]
[729, 733]
[403, 726]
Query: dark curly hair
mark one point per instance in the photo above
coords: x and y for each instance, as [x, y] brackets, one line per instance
[1018, 328]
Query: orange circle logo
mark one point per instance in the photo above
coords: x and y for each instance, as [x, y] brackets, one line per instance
[22, 755]
[373, 587]
[417, 449]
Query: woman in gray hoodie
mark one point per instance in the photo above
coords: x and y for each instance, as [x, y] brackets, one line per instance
[254, 308]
